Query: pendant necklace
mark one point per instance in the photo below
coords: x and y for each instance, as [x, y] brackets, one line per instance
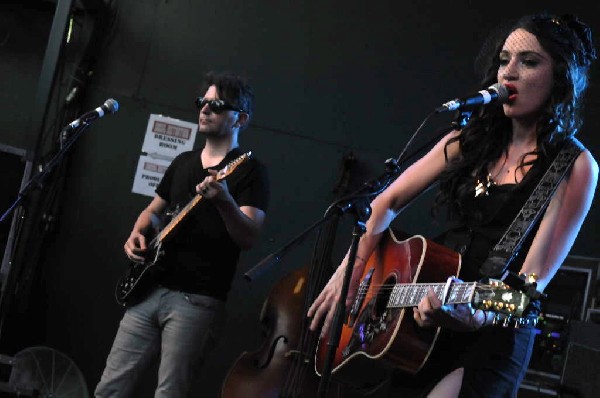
[482, 186]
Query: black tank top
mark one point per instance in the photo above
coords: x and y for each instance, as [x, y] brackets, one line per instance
[488, 218]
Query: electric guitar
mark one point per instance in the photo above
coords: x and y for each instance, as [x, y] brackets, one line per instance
[378, 324]
[137, 280]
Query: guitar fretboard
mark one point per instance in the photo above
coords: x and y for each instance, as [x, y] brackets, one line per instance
[410, 294]
[224, 172]
[177, 219]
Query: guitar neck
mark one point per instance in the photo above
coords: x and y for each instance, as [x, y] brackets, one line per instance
[177, 219]
[221, 174]
[410, 294]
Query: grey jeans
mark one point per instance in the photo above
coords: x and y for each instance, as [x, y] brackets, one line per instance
[180, 327]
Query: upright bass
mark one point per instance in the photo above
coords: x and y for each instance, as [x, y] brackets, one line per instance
[283, 366]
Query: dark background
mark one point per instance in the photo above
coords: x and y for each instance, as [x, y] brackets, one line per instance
[331, 78]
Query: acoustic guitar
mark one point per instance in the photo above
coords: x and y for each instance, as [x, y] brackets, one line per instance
[397, 276]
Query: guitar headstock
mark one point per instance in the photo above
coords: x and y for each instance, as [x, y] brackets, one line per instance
[229, 167]
[499, 297]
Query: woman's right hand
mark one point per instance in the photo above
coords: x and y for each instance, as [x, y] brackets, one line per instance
[323, 308]
[325, 303]
[135, 246]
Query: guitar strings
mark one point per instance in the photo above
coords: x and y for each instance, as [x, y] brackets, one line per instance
[390, 286]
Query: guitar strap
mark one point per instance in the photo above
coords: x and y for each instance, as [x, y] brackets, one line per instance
[508, 247]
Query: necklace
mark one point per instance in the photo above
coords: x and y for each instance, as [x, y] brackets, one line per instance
[482, 187]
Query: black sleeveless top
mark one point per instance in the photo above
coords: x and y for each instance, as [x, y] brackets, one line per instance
[488, 218]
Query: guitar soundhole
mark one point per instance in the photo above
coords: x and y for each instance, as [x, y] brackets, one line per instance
[383, 297]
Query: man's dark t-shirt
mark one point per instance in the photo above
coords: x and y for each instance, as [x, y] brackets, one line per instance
[199, 255]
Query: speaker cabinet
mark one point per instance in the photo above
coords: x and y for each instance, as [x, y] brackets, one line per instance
[560, 333]
[568, 295]
[581, 371]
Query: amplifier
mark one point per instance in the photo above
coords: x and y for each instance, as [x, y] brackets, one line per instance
[581, 371]
[568, 296]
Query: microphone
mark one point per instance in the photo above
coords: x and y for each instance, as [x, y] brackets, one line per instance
[109, 106]
[494, 93]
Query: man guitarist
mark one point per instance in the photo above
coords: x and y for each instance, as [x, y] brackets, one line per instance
[179, 318]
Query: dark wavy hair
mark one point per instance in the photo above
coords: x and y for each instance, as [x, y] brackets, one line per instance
[232, 89]
[487, 134]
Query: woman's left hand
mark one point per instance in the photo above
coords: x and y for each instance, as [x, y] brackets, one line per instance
[460, 317]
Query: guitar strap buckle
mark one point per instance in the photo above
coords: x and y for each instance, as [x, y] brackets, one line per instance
[524, 283]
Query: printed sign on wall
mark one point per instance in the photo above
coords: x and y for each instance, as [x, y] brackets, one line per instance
[148, 174]
[168, 137]
[165, 139]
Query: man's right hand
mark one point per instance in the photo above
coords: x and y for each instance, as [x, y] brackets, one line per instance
[135, 247]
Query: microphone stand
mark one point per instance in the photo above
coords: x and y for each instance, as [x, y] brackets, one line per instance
[358, 196]
[392, 166]
[362, 211]
[359, 204]
[36, 180]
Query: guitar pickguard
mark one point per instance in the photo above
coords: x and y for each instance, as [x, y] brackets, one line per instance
[368, 326]
[373, 320]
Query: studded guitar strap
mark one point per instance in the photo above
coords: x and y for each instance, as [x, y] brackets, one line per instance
[508, 247]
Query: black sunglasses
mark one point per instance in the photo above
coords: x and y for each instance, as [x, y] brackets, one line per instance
[216, 105]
